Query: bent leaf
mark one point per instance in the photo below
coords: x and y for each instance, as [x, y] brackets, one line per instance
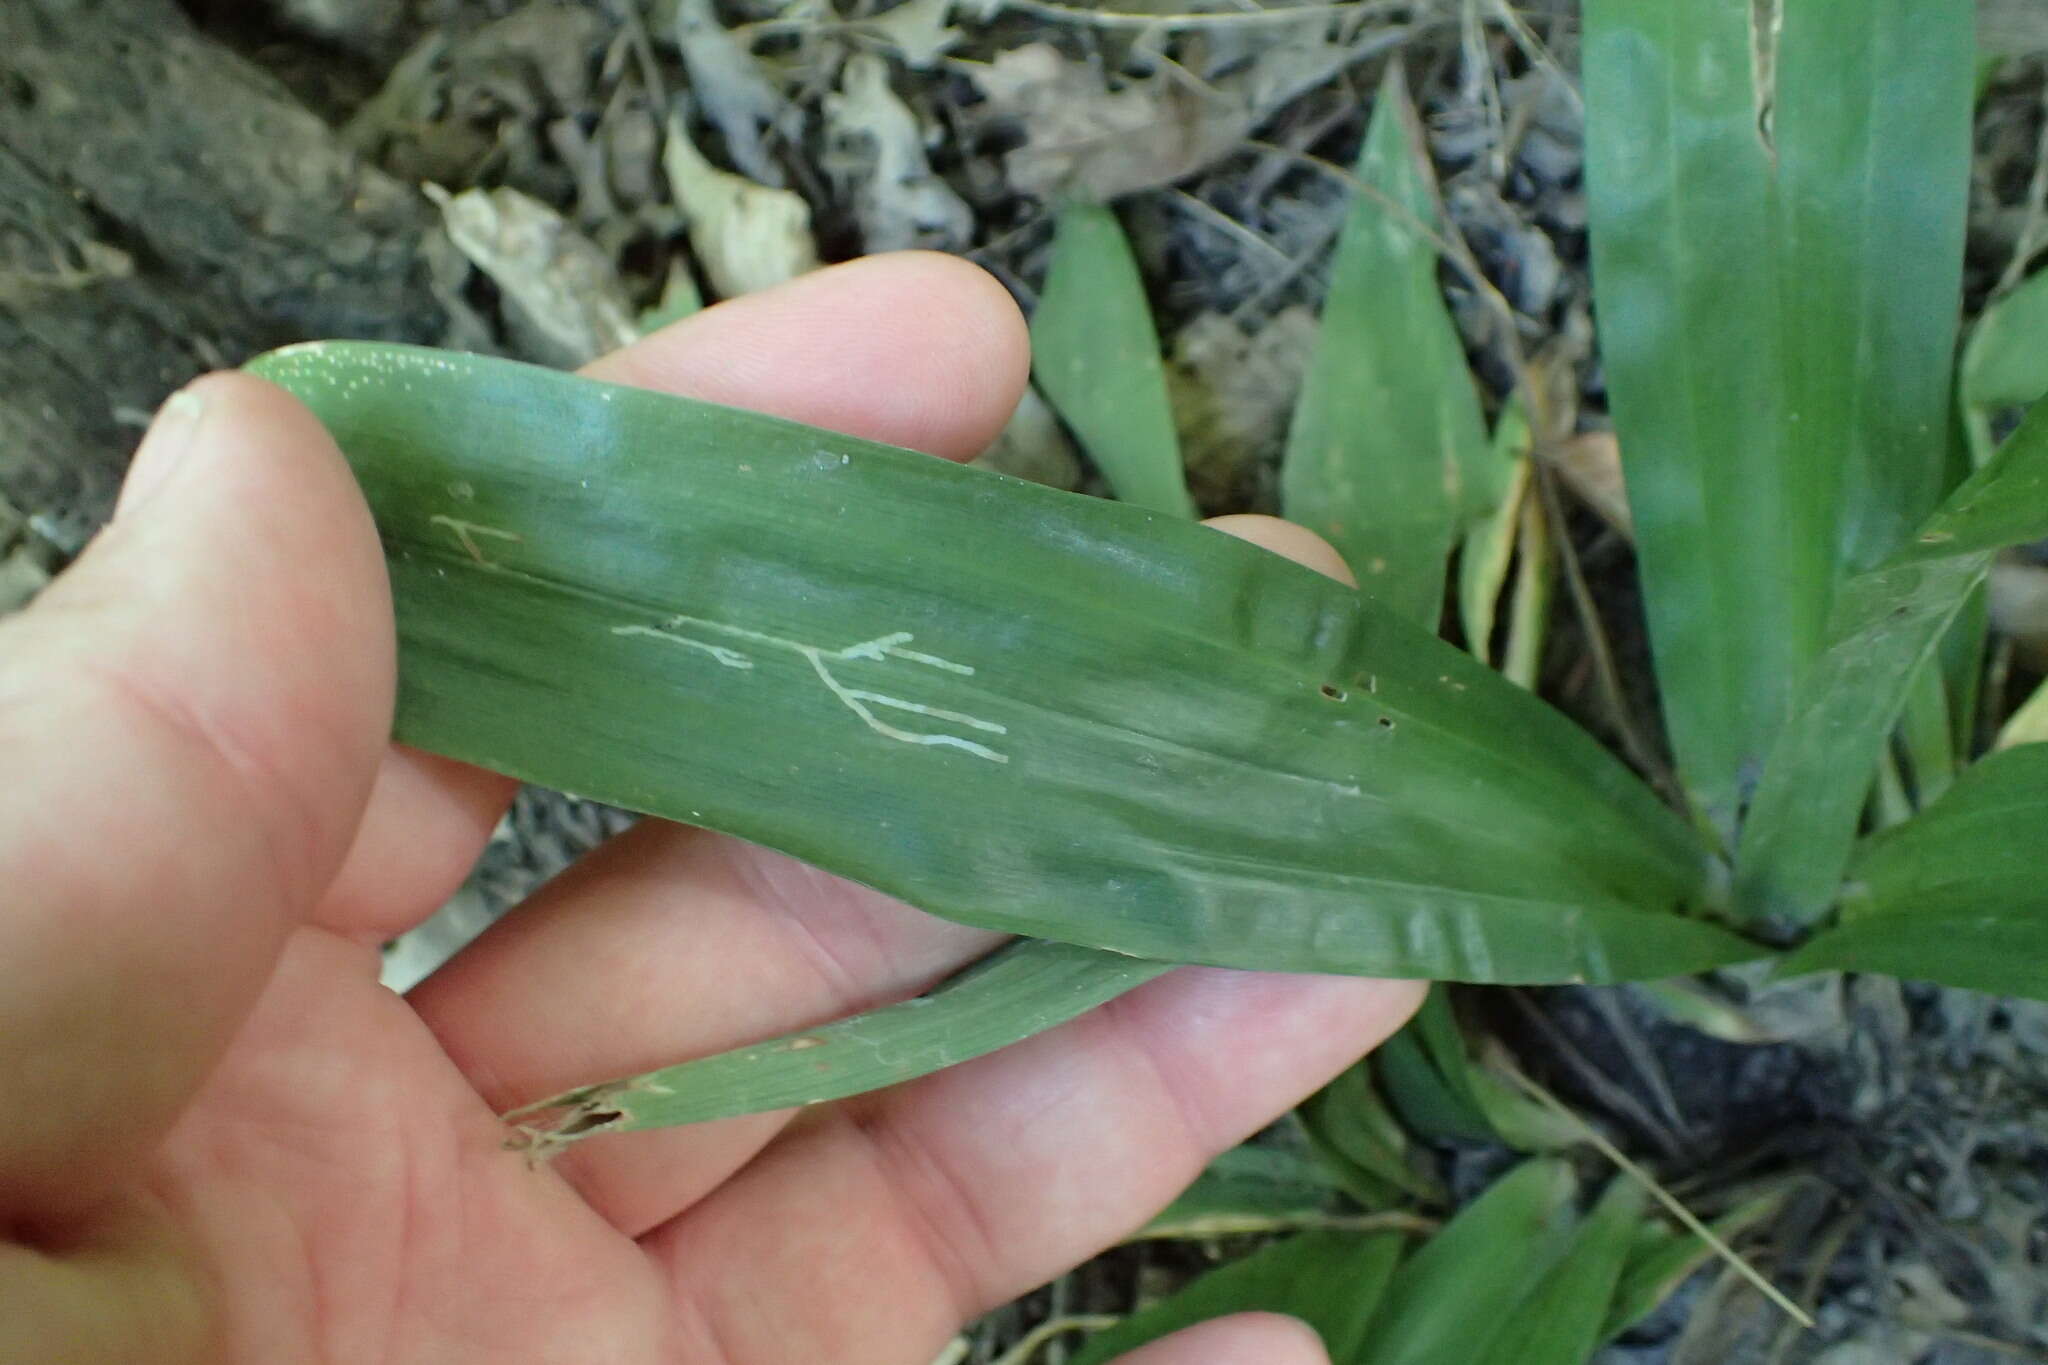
[1010, 706]
[1095, 355]
[1388, 440]
[1956, 894]
[1020, 990]
[1888, 622]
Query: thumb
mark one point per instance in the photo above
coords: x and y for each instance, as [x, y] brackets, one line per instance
[1240, 1339]
[190, 718]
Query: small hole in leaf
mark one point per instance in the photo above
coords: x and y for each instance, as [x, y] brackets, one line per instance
[1386, 722]
[1332, 692]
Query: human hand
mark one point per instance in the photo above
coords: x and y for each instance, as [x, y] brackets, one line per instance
[222, 1140]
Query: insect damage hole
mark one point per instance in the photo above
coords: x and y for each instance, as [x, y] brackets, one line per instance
[1332, 691]
[1386, 722]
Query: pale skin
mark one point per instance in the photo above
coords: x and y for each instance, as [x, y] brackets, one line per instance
[223, 1141]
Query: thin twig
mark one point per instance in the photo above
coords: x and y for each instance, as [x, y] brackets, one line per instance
[1208, 213]
[1663, 1196]
[1118, 19]
[1604, 1087]
[2037, 210]
[1028, 1345]
[1646, 759]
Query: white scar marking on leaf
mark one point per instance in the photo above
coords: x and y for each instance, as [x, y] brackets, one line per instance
[731, 658]
[466, 531]
[880, 650]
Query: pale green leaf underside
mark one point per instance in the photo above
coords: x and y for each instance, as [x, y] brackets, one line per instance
[1019, 991]
[1010, 706]
[1095, 354]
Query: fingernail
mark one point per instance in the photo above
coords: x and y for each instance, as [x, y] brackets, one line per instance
[163, 450]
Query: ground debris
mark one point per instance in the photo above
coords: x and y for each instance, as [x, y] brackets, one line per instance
[746, 235]
[876, 155]
[564, 303]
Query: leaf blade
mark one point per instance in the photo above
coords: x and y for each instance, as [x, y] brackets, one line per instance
[1388, 443]
[1954, 895]
[707, 606]
[1096, 357]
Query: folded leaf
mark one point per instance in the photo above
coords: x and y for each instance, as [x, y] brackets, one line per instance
[1011, 706]
[1358, 1138]
[1095, 355]
[1388, 446]
[1956, 894]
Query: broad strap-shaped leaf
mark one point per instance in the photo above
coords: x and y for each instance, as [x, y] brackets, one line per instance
[1734, 558]
[1333, 1281]
[1559, 1321]
[1957, 894]
[1020, 990]
[1888, 623]
[1095, 355]
[1008, 705]
[1775, 326]
[1871, 125]
[1388, 441]
[1448, 1302]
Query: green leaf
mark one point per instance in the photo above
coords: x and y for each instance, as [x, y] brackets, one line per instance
[2004, 503]
[1661, 1260]
[1388, 444]
[1008, 705]
[1250, 1189]
[1956, 894]
[1333, 1281]
[1446, 1303]
[1872, 130]
[1419, 1092]
[1095, 355]
[1888, 623]
[1022, 989]
[2005, 362]
[1489, 544]
[1365, 1147]
[1802, 824]
[1775, 327]
[1734, 557]
[1559, 1321]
